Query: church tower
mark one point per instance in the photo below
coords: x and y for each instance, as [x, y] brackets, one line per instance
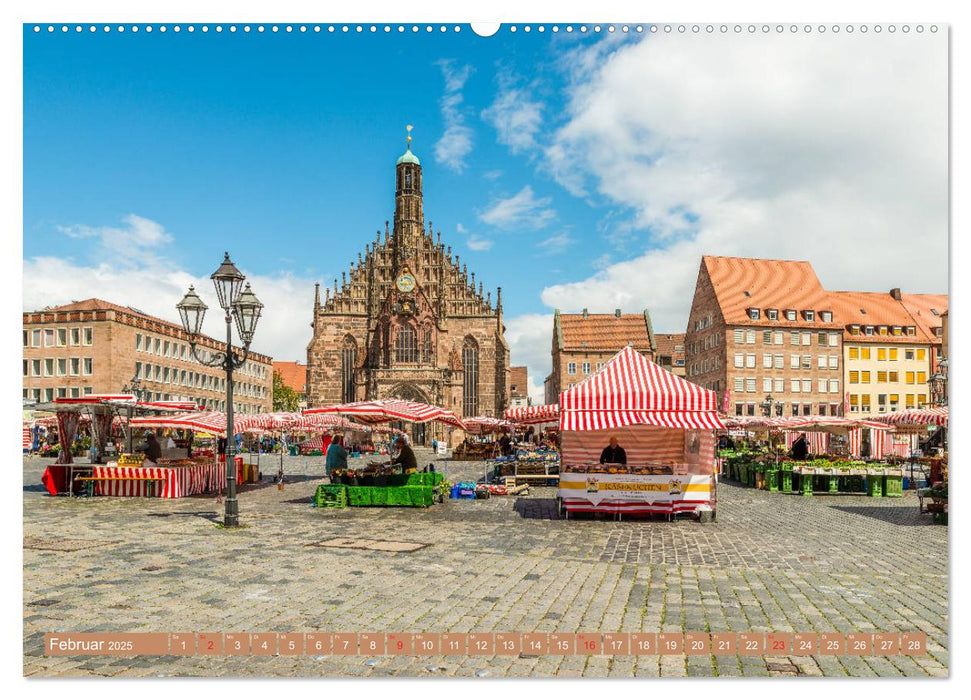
[409, 218]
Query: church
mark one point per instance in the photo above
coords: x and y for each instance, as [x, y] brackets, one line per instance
[407, 321]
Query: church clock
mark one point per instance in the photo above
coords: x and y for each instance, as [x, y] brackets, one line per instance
[405, 282]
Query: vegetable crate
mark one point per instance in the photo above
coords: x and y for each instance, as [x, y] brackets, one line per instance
[893, 486]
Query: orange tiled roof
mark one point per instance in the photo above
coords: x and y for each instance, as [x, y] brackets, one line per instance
[922, 308]
[875, 309]
[743, 283]
[294, 375]
[608, 332]
[518, 382]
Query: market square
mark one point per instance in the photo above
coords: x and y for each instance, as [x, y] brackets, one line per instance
[615, 417]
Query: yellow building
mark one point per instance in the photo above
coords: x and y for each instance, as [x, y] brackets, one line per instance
[887, 354]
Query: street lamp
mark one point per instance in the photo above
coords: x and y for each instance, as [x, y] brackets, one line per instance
[766, 406]
[938, 385]
[246, 309]
[133, 387]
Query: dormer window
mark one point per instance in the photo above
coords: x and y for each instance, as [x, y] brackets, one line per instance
[897, 330]
[854, 329]
[809, 315]
[882, 330]
[868, 330]
[790, 314]
[772, 314]
[826, 316]
[754, 314]
[939, 331]
[911, 330]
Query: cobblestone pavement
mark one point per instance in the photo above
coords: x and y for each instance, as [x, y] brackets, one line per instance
[770, 562]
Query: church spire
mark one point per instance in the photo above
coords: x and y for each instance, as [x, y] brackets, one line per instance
[409, 218]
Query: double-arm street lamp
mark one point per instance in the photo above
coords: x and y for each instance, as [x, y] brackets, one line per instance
[241, 304]
[134, 387]
[768, 404]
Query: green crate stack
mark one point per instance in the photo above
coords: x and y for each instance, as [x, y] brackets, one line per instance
[772, 480]
[785, 476]
[874, 486]
[331, 496]
[893, 486]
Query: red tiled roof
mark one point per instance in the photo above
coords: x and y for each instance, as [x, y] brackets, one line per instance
[294, 375]
[607, 332]
[744, 283]
[922, 308]
[875, 309]
[518, 382]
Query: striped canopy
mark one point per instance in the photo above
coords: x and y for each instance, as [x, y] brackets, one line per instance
[210, 422]
[486, 424]
[386, 410]
[828, 423]
[920, 416]
[531, 415]
[632, 390]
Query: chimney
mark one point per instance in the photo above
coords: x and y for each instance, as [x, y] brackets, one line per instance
[895, 293]
[617, 313]
[584, 313]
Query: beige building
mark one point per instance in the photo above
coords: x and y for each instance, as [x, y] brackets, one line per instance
[96, 347]
[888, 356]
[584, 342]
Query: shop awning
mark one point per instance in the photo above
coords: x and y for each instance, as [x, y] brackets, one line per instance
[386, 410]
[211, 422]
[532, 415]
[920, 416]
[632, 390]
[486, 424]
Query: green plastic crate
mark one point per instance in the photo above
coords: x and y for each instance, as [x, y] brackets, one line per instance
[874, 486]
[331, 496]
[893, 486]
[772, 480]
[786, 478]
[807, 485]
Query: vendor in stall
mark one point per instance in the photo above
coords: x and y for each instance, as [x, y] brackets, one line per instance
[336, 456]
[406, 456]
[799, 448]
[613, 453]
[152, 450]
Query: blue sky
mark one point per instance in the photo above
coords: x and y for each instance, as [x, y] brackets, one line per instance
[281, 147]
[572, 169]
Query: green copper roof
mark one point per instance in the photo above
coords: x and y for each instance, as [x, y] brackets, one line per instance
[409, 157]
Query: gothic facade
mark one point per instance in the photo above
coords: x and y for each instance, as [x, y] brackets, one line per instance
[408, 321]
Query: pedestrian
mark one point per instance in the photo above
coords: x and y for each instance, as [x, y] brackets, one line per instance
[336, 456]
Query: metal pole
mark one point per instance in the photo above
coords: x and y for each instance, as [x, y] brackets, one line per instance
[231, 518]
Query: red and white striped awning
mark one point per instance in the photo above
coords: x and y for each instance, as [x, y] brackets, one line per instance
[486, 424]
[386, 410]
[532, 415]
[632, 390]
[210, 422]
[825, 423]
[919, 416]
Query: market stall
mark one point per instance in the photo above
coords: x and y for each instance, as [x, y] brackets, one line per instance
[663, 423]
[384, 484]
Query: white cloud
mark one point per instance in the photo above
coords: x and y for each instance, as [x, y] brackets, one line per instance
[137, 237]
[155, 289]
[522, 210]
[456, 141]
[825, 148]
[556, 243]
[477, 242]
[530, 338]
[515, 115]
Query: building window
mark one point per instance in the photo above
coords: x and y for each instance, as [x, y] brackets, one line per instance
[794, 386]
[882, 330]
[821, 361]
[426, 345]
[822, 338]
[470, 389]
[767, 361]
[854, 376]
[790, 314]
[585, 367]
[754, 314]
[61, 366]
[882, 354]
[75, 392]
[807, 408]
[26, 339]
[750, 337]
[834, 362]
[809, 315]
[739, 359]
[826, 316]
[750, 361]
[854, 329]
[896, 330]
[807, 361]
[138, 370]
[794, 361]
[910, 377]
[48, 337]
[822, 409]
[138, 342]
[911, 330]
[739, 384]
[772, 314]
[348, 363]
[823, 386]
[739, 336]
[922, 377]
[881, 377]
[807, 385]
[921, 354]
[36, 338]
[854, 353]
[834, 386]
[779, 385]
[739, 408]
[571, 368]
[778, 338]
[894, 377]
[158, 346]
[165, 349]
[405, 345]
[75, 366]
[794, 338]
[61, 392]
[868, 330]
[767, 337]
[35, 368]
[864, 353]
[750, 384]
[49, 368]
[865, 377]
[61, 337]
[766, 384]
[88, 336]
[26, 367]
[807, 338]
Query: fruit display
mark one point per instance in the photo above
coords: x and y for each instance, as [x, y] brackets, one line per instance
[131, 460]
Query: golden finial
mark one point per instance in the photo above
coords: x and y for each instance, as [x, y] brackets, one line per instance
[409, 128]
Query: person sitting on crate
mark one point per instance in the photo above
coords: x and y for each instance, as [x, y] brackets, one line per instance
[336, 456]
[613, 453]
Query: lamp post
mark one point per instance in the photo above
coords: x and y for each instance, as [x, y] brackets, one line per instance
[766, 406]
[242, 305]
[134, 387]
[938, 385]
